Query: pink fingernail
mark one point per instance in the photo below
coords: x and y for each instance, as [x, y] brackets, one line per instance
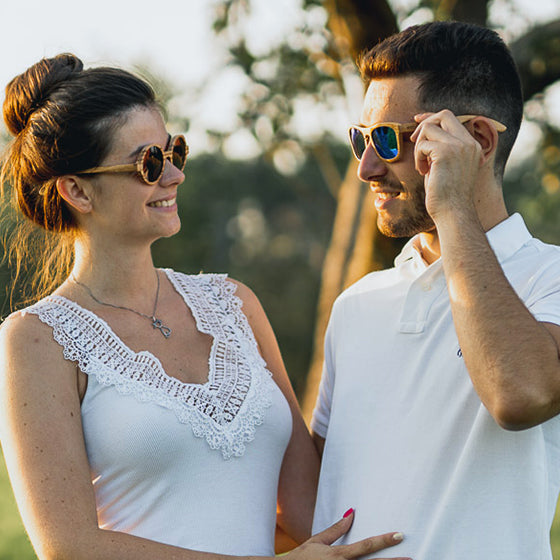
[349, 512]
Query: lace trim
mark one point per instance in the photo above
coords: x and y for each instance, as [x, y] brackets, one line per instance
[226, 409]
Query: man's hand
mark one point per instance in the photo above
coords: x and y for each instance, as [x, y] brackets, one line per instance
[449, 155]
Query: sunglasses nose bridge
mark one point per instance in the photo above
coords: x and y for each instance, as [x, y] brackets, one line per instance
[367, 141]
[167, 155]
[177, 153]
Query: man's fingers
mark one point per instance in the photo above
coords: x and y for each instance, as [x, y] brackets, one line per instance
[334, 532]
[369, 545]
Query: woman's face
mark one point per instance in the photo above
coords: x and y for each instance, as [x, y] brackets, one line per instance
[123, 205]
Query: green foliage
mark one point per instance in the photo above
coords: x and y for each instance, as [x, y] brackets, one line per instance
[14, 544]
[299, 67]
[533, 188]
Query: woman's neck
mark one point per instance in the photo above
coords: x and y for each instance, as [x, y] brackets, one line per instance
[118, 271]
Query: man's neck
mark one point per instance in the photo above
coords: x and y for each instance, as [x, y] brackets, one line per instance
[428, 246]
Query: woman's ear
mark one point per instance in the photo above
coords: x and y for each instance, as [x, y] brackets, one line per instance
[485, 133]
[72, 191]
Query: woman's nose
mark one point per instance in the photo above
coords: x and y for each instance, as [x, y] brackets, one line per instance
[171, 175]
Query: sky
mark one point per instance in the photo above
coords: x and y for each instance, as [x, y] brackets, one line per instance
[174, 38]
[106, 31]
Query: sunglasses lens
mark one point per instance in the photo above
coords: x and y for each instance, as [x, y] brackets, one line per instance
[385, 141]
[358, 142]
[179, 152]
[152, 166]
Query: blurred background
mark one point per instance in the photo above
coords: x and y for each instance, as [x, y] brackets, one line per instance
[265, 92]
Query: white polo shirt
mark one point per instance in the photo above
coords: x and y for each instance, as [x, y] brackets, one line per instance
[409, 444]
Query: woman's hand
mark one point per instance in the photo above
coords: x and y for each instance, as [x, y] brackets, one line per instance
[319, 546]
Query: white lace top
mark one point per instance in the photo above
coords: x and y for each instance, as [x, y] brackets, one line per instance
[191, 465]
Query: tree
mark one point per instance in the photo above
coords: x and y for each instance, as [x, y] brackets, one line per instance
[316, 63]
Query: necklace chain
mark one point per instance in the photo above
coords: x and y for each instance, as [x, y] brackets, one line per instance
[156, 323]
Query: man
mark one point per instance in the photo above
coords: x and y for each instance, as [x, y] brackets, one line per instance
[441, 384]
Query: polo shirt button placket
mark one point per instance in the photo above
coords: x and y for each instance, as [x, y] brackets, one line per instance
[422, 293]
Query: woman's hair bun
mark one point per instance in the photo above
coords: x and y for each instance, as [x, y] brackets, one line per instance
[29, 91]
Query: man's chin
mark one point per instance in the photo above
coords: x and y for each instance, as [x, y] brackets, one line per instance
[405, 228]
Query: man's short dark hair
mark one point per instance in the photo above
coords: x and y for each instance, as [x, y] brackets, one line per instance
[462, 67]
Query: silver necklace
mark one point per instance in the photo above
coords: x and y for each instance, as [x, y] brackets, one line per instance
[156, 323]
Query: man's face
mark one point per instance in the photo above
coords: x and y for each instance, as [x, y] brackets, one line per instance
[398, 187]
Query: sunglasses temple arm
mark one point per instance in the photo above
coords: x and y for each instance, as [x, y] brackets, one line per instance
[113, 169]
[497, 125]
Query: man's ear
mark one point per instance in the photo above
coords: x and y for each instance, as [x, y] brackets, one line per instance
[72, 191]
[486, 135]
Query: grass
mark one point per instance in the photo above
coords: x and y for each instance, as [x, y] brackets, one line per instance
[555, 535]
[14, 544]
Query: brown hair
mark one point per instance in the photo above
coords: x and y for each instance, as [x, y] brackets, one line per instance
[461, 66]
[63, 119]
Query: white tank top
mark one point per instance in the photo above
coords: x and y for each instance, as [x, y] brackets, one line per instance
[191, 465]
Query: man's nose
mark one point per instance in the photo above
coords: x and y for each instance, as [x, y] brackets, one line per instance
[371, 165]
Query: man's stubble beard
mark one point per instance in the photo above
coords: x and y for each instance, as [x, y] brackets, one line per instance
[415, 219]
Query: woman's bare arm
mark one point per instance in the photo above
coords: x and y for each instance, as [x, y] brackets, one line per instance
[42, 440]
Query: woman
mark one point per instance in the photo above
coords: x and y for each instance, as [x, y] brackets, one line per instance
[145, 413]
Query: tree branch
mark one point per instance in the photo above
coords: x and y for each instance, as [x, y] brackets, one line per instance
[537, 54]
[470, 11]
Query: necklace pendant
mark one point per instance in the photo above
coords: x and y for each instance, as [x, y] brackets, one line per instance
[157, 324]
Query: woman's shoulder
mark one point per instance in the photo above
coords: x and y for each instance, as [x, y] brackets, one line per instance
[199, 277]
[250, 305]
[244, 293]
[32, 363]
[250, 302]
[22, 324]
[24, 336]
[204, 279]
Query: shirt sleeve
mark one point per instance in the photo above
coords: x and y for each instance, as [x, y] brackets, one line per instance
[321, 413]
[544, 300]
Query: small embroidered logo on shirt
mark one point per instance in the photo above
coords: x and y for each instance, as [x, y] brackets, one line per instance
[459, 353]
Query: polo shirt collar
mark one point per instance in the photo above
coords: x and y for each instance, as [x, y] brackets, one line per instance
[408, 252]
[425, 284]
[506, 238]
